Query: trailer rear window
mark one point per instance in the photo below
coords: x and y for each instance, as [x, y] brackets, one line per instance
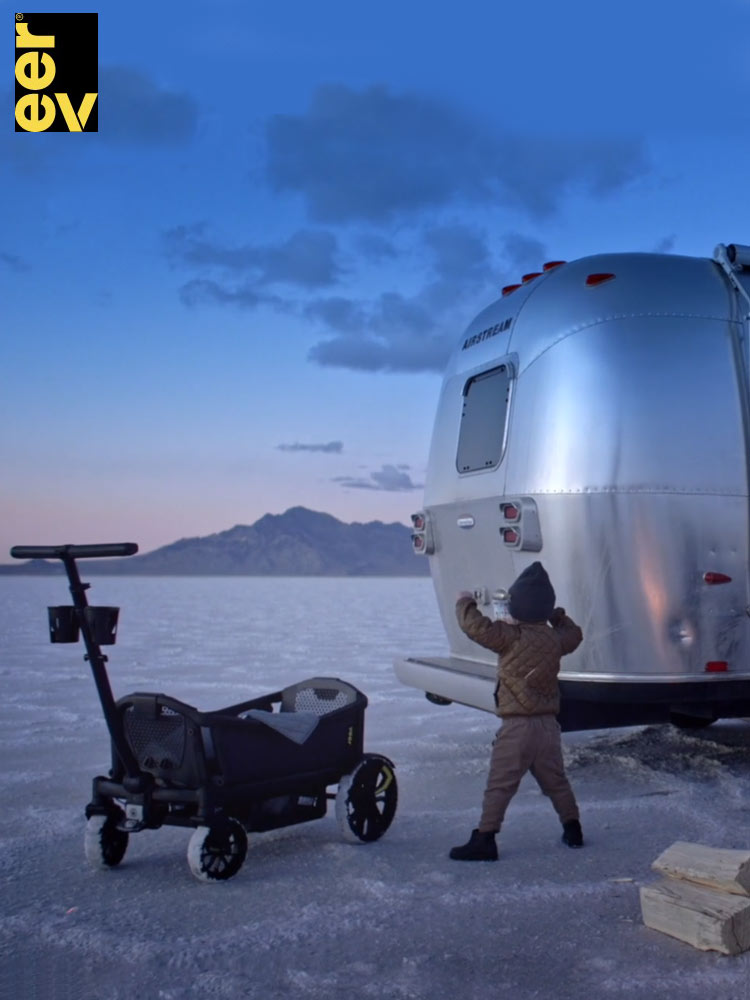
[485, 410]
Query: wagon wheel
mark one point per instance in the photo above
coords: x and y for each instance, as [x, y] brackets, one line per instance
[366, 799]
[216, 853]
[103, 843]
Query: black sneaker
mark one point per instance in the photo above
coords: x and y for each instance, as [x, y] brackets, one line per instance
[479, 847]
[572, 833]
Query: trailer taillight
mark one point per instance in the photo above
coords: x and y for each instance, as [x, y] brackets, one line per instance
[598, 279]
[510, 536]
[510, 511]
[421, 538]
[717, 667]
[716, 578]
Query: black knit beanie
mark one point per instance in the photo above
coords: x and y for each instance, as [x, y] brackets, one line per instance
[532, 597]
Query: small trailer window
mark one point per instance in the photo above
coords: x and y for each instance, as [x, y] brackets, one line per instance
[485, 408]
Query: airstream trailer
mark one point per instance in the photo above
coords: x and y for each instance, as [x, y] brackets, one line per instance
[596, 417]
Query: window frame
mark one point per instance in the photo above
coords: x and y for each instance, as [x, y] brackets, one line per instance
[479, 418]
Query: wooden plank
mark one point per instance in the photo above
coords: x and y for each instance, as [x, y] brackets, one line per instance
[715, 867]
[702, 917]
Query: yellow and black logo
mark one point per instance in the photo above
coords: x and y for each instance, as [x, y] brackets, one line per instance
[57, 72]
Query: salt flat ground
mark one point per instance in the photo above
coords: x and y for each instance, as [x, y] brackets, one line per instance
[310, 915]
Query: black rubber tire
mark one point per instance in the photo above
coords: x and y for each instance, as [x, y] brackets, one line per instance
[366, 799]
[104, 844]
[690, 721]
[216, 853]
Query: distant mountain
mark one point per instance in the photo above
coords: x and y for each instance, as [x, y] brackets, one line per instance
[300, 542]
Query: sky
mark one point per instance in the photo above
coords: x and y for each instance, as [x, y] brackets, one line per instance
[240, 293]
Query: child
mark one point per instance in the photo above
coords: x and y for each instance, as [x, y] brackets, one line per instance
[527, 697]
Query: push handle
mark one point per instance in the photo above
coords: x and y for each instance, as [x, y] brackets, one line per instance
[106, 550]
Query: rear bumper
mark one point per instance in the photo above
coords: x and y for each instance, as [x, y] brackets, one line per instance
[586, 704]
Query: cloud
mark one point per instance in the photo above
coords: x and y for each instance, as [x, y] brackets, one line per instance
[202, 290]
[13, 262]
[331, 447]
[390, 478]
[395, 332]
[389, 332]
[460, 253]
[308, 258]
[375, 248]
[134, 109]
[523, 253]
[375, 155]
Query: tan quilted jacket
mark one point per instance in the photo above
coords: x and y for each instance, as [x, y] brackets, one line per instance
[528, 657]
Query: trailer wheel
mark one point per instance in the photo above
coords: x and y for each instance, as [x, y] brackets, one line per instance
[366, 799]
[103, 843]
[216, 853]
[690, 721]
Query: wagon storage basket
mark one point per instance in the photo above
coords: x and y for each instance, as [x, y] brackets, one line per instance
[317, 730]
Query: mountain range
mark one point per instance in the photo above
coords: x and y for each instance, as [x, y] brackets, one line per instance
[299, 542]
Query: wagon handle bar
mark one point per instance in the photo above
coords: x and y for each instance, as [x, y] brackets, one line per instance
[135, 780]
[106, 550]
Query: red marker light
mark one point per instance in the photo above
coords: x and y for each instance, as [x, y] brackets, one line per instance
[717, 667]
[510, 536]
[510, 288]
[418, 542]
[598, 279]
[530, 276]
[716, 578]
[418, 521]
[510, 512]
[552, 264]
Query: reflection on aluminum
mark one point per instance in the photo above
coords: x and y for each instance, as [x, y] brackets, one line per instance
[682, 633]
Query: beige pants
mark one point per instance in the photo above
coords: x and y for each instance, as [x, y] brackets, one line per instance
[526, 743]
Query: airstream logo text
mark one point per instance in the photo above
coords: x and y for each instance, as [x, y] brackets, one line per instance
[57, 73]
[491, 331]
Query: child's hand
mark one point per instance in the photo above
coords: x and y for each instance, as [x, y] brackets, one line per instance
[557, 616]
[464, 593]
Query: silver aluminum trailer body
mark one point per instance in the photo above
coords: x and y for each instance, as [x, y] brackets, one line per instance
[596, 418]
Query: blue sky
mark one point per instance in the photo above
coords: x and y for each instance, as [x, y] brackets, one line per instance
[239, 295]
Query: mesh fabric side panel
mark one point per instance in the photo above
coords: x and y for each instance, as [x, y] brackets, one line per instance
[321, 701]
[156, 742]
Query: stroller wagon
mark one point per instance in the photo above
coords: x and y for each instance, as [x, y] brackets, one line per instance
[258, 765]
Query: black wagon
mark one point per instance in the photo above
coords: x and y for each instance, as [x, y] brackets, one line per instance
[259, 765]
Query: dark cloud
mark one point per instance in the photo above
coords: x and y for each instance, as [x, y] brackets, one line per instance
[375, 155]
[391, 332]
[331, 447]
[460, 253]
[394, 332]
[375, 248]
[13, 262]
[391, 478]
[308, 258]
[203, 290]
[134, 109]
[523, 253]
